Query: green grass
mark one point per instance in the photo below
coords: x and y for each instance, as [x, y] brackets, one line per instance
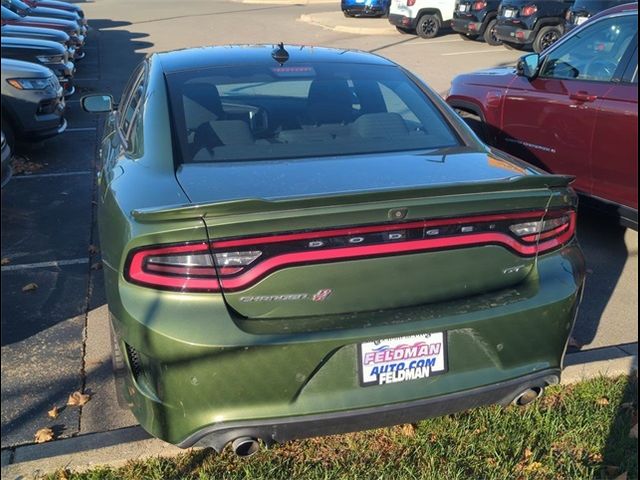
[573, 432]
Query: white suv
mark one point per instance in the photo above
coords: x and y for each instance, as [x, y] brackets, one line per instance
[425, 17]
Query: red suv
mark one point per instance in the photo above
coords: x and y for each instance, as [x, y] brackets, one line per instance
[573, 109]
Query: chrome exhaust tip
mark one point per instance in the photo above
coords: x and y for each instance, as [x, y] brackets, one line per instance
[527, 396]
[245, 446]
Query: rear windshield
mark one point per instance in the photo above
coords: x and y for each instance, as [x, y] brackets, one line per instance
[272, 112]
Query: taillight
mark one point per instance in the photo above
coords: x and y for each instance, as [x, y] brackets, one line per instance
[528, 10]
[411, 3]
[237, 264]
[549, 233]
[479, 5]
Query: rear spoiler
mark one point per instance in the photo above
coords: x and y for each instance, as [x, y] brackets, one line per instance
[255, 205]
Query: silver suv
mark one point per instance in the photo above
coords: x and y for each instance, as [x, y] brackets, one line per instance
[32, 102]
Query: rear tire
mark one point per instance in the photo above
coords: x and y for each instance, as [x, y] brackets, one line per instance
[9, 135]
[546, 37]
[489, 35]
[466, 37]
[428, 26]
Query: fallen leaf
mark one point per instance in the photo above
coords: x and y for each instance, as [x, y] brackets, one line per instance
[408, 430]
[595, 457]
[44, 435]
[30, 287]
[96, 266]
[93, 249]
[533, 467]
[23, 165]
[633, 433]
[6, 261]
[77, 399]
[602, 401]
[53, 413]
[622, 476]
[527, 453]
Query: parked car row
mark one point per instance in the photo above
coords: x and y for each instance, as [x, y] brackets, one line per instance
[41, 42]
[572, 110]
[519, 24]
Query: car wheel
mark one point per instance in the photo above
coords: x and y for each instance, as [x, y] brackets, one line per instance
[9, 135]
[346, 14]
[404, 31]
[428, 26]
[489, 35]
[546, 37]
[464, 36]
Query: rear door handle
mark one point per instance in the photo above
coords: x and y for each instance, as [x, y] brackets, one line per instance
[583, 97]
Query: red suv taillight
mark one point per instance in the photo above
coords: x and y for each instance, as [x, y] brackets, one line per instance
[411, 3]
[237, 264]
[528, 10]
[479, 5]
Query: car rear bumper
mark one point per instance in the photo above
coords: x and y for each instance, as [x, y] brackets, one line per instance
[276, 378]
[513, 34]
[466, 26]
[279, 430]
[402, 21]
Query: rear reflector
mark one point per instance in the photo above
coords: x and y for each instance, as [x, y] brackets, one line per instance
[236, 264]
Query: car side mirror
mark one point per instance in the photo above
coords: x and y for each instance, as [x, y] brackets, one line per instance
[97, 103]
[528, 66]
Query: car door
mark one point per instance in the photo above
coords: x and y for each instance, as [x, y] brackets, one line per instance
[116, 129]
[615, 146]
[551, 120]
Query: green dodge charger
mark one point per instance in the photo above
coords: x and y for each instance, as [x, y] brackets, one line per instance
[303, 241]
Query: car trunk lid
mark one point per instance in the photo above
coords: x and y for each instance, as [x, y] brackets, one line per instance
[436, 234]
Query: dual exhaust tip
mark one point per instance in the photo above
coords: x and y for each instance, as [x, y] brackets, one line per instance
[248, 446]
[245, 446]
[527, 396]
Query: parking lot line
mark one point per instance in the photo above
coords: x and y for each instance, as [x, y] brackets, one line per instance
[469, 52]
[431, 42]
[45, 175]
[55, 263]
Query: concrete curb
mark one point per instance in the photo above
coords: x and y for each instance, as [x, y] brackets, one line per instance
[117, 447]
[319, 20]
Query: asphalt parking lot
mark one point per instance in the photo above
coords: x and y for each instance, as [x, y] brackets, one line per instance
[55, 337]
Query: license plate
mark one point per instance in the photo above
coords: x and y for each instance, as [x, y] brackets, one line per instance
[580, 20]
[401, 359]
[463, 8]
[509, 13]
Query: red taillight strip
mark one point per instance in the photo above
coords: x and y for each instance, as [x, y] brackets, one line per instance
[373, 229]
[480, 239]
[138, 272]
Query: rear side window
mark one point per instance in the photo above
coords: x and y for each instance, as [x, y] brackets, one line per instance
[595, 53]
[299, 111]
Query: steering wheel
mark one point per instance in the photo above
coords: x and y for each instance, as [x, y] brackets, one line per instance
[600, 69]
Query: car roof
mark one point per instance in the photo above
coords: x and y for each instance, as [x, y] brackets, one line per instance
[237, 55]
[625, 7]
